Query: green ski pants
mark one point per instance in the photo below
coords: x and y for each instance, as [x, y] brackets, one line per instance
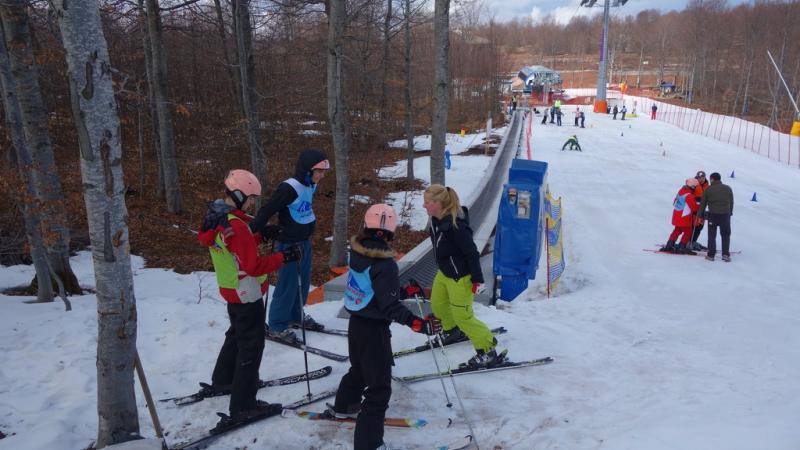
[451, 302]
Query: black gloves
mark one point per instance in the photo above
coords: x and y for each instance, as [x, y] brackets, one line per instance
[293, 253]
[430, 325]
[270, 232]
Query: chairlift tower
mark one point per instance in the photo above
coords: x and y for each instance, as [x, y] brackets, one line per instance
[600, 102]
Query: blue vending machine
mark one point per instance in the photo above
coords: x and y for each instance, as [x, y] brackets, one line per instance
[520, 227]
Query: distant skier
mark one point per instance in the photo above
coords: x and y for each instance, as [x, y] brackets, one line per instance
[623, 111]
[459, 275]
[719, 199]
[544, 116]
[572, 142]
[553, 114]
[577, 115]
[373, 298]
[653, 110]
[583, 119]
[558, 116]
[241, 275]
[513, 102]
[698, 220]
[684, 207]
[615, 111]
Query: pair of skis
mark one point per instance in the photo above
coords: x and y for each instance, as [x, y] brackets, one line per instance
[207, 391]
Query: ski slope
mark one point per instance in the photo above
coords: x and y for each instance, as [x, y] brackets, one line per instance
[651, 351]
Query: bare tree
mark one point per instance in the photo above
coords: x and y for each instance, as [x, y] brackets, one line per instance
[95, 115]
[340, 130]
[49, 197]
[407, 90]
[166, 138]
[441, 96]
[44, 288]
[247, 81]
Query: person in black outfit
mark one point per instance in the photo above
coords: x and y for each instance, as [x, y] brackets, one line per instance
[292, 201]
[615, 111]
[719, 199]
[583, 119]
[373, 299]
[558, 116]
[553, 114]
[544, 116]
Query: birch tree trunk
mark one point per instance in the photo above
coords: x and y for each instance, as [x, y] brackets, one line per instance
[166, 139]
[441, 31]
[95, 115]
[22, 156]
[409, 122]
[340, 130]
[49, 197]
[244, 45]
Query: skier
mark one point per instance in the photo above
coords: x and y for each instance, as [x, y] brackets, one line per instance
[558, 116]
[719, 199]
[544, 116]
[577, 115]
[583, 119]
[241, 275]
[698, 221]
[572, 142]
[623, 111]
[513, 102]
[653, 110]
[373, 300]
[292, 201]
[615, 111]
[683, 208]
[459, 275]
[553, 114]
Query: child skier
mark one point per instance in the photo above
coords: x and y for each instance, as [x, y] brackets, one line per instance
[572, 142]
[241, 275]
[292, 201]
[684, 209]
[373, 300]
[459, 275]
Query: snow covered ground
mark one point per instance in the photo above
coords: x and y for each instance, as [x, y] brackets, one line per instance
[464, 171]
[651, 351]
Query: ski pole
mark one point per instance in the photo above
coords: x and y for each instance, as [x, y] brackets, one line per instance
[452, 380]
[433, 353]
[303, 321]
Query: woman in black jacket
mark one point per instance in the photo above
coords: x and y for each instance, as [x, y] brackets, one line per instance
[373, 299]
[459, 274]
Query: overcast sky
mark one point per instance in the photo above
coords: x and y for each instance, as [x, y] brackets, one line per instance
[563, 10]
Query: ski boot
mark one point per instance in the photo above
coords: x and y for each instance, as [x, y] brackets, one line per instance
[350, 413]
[261, 410]
[681, 249]
[210, 390]
[483, 360]
[286, 335]
[669, 247]
[726, 258]
[310, 324]
[709, 258]
[452, 336]
[698, 246]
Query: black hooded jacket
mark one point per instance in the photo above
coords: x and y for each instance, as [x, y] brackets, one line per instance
[455, 251]
[385, 305]
[283, 196]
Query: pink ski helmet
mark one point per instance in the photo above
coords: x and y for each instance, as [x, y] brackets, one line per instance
[692, 182]
[322, 165]
[240, 184]
[381, 217]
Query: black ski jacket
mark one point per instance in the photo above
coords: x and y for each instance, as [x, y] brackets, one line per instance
[385, 305]
[283, 196]
[455, 251]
